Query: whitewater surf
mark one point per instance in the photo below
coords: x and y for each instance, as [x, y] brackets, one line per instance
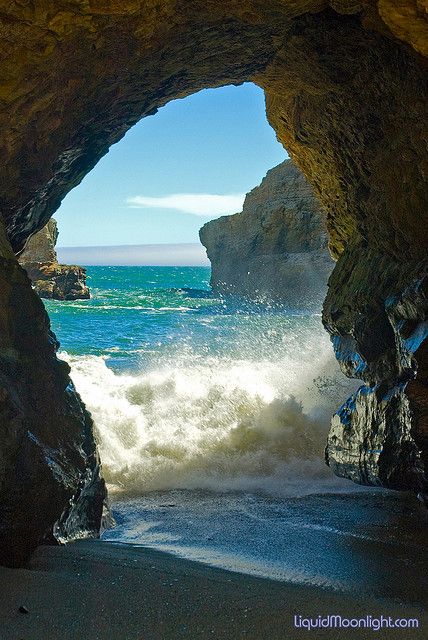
[211, 418]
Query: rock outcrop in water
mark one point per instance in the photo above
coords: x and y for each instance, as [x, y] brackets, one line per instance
[346, 91]
[51, 279]
[276, 248]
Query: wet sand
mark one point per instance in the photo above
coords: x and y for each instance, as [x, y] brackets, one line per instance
[366, 541]
[94, 590]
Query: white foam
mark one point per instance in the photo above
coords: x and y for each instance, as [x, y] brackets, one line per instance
[215, 423]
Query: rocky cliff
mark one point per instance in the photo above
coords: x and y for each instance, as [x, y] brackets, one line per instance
[51, 279]
[347, 94]
[276, 248]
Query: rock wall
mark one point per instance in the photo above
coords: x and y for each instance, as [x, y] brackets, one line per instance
[276, 248]
[50, 483]
[376, 314]
[346, 91]
[51, 279]
[376, 308]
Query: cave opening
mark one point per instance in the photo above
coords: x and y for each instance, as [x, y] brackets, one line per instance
[364, 157]
[191, 387]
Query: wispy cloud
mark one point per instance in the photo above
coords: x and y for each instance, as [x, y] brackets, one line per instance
[199, 204]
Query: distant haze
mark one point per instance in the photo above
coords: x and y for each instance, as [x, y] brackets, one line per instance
[156, 255]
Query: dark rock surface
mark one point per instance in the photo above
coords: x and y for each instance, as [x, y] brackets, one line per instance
[378, 327]
[50, 483]
[347, 94]
[51, 279]
[276, 248]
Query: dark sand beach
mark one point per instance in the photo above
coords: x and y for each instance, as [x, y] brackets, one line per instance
[93, 590]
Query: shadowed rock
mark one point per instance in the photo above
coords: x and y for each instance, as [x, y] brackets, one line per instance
[50, 481]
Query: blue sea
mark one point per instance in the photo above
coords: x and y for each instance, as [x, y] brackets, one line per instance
[211, 417]
[193, 391]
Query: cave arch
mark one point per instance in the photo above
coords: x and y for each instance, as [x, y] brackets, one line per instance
[346, 90]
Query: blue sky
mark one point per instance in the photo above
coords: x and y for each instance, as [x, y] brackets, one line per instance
[191, 162]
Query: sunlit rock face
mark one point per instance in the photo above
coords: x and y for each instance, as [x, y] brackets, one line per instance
[346, 91]
[51, 279]
[275, 250]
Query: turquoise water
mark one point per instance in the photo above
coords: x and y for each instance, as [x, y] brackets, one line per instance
[192, 391]
[211, 418]
[137, 315]
[133, 311]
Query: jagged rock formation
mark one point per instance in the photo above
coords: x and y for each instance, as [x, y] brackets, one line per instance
[276, 248]
[380, 435]
[51, 279]
[346, 91]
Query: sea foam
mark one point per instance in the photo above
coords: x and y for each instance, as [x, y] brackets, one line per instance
[214, 422]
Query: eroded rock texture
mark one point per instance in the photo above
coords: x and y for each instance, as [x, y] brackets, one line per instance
[51, 279]
[376, 314]
[346, 90]
[276, 248]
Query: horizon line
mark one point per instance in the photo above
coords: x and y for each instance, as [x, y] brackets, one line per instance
[114, 246]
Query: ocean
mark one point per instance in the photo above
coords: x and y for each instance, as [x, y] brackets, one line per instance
[211, 417]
